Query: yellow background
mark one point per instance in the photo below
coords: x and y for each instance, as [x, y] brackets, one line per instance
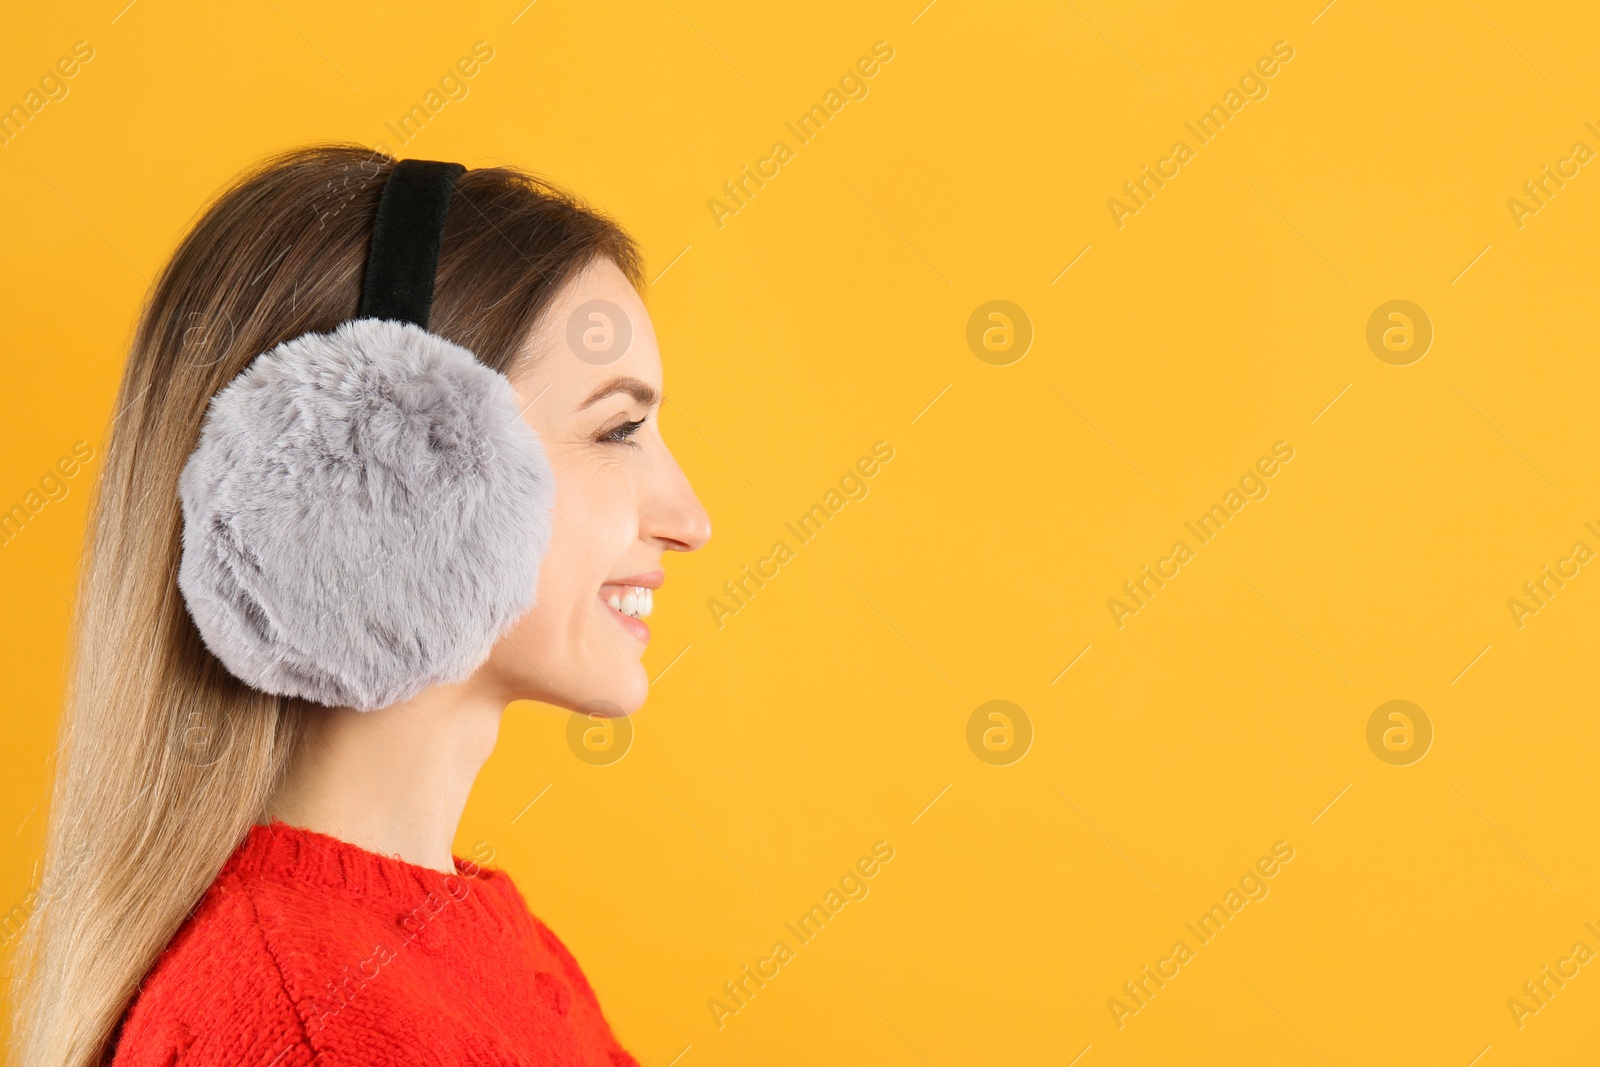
[824, 316]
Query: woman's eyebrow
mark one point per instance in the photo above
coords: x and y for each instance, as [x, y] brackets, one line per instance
[642, 392]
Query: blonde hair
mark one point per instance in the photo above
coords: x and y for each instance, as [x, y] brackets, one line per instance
[165, 760]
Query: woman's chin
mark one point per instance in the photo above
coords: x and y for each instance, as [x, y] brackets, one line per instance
[622, 692]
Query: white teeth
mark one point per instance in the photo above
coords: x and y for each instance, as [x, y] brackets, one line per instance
[637, 601]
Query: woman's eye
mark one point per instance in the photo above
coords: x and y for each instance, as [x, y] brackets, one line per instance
[620, 435]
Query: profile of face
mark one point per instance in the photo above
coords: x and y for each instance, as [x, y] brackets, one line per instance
[592, 392]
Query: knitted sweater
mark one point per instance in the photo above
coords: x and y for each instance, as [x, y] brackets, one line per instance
[309, 950]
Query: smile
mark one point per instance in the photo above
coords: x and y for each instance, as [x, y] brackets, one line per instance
[631, 599]
[636, 602]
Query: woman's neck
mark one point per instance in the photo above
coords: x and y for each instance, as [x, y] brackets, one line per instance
[393, 781]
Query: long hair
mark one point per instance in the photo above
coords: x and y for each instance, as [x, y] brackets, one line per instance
[165, 760]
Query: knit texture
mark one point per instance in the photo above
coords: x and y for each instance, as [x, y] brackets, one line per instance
[309, 950]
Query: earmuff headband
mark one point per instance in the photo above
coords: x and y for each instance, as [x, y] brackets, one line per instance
[404, 255]
[366, 510]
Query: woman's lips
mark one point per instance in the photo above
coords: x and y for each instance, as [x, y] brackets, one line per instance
[628, 597]
[648, 580]
[637, 627]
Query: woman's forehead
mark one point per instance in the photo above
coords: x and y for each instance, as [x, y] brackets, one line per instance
[596, 328]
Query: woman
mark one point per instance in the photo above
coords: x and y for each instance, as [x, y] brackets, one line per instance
[236, 873]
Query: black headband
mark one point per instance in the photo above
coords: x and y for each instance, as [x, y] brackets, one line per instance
[404, 255]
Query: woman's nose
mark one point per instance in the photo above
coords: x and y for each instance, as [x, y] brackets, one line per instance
[676, 517]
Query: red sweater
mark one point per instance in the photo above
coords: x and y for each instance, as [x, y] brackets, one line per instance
[309, 950]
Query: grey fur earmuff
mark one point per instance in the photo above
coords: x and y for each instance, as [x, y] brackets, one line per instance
[366, 510]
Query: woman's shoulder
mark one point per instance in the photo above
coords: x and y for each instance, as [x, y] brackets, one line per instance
[272, 962]
[215, 995]
[306, 949]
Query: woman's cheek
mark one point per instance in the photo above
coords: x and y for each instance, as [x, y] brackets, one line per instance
[606, 526]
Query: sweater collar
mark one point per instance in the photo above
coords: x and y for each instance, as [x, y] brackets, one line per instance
[281, 850]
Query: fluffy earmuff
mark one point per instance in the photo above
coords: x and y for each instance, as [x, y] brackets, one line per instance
[366, 510]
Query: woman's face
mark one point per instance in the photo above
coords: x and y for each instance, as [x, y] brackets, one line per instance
[592, 395]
